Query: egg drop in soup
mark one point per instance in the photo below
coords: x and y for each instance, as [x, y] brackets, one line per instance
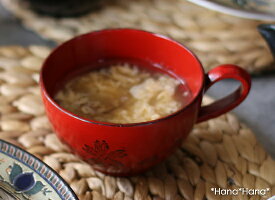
[123, 94]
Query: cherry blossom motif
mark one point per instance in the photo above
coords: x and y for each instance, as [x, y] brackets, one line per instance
[103, 157]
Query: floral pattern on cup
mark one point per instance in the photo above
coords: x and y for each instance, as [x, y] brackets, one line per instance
[103, 156]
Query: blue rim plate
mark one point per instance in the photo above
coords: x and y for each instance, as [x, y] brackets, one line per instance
[25, 177]
[250, 9]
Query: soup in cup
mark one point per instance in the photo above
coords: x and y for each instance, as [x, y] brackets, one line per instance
[127, 148]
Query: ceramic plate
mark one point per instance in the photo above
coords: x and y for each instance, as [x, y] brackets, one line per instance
[24, 177]
[252, 9]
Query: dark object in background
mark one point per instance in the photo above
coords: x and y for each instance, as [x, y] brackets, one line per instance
[63, 8]
[268, 32]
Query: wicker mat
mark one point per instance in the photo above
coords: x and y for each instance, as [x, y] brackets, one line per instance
[220, 153]
[216, 38]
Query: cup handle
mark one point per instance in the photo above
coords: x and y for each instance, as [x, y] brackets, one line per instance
[229, 102]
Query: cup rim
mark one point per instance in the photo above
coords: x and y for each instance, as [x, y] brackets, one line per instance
[67, 112]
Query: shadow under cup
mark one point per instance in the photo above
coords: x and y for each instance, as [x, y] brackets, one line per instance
[122, 149]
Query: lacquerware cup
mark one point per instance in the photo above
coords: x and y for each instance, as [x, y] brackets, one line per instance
[127, 149]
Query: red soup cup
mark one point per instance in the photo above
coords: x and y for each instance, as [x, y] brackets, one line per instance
[126, 149]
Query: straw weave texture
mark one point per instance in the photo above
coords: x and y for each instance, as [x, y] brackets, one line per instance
[216, 38]
[220, 153]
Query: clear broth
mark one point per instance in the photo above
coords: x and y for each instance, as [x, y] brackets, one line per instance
[182, 92]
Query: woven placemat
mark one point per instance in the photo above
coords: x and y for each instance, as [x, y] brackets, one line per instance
[216, 38]
[220, 153]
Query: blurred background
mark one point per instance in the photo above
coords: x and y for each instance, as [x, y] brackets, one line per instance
[220, 153]
[258, 110]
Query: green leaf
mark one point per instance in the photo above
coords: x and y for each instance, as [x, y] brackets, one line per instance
[15, 171]
[37, 188]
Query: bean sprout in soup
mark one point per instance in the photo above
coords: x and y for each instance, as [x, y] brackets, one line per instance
[123, 94]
